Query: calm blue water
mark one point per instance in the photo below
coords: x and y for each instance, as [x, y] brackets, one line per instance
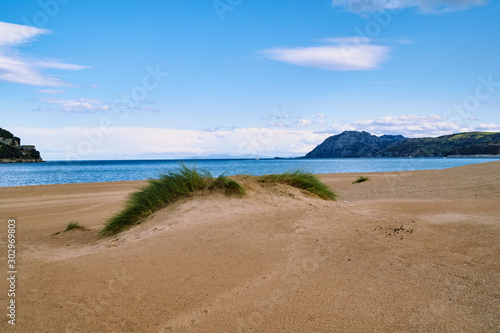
[55, 172]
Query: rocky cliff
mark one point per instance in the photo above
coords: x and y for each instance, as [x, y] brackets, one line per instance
[11, 150]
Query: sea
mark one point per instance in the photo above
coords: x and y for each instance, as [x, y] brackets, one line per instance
[67, 172]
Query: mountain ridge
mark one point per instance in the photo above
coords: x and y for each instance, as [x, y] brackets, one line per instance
[364, 144]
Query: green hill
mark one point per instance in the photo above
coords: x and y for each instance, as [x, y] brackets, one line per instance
[469, 143]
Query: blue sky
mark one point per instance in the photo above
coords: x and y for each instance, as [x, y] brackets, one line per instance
[172, 79]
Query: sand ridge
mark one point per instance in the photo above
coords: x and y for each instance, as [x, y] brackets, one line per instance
[408, 252]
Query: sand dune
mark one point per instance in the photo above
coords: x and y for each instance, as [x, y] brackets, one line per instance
[408, 252]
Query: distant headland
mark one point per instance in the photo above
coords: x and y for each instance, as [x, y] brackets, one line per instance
[364, 144]
[11, 150]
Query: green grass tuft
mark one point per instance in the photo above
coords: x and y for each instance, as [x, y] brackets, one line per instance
[228, 185]
[161, 192]
[74, 225]
[360, 180]
[302, 180]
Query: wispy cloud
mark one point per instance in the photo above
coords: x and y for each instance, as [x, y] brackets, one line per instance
[303, 122]
[347, 54]
[427, 6]
[148, 109]
[81, 105]
[58, 65]
[15, 34]
[407, 125]
[281, 119]
[491, 127]
[141, 105]
[413, 126]
[86, 105]
[14, 67]
[51, 91]
[410, 126]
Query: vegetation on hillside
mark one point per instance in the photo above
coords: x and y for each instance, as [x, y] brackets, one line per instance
[13, 151]
[470, 143]
[6, 134]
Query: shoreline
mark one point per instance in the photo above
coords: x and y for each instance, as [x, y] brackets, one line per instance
[16, 160]
[144, 181]
[319, 175]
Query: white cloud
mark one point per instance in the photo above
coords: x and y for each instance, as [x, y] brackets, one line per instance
[411, 126]
[142, 142]
[428, 6]
[488, 127]
[58, 65]
[14, 67]
[51, 91]
[281, 119]
[127, 142]
[86, 105]
[139, 106]
[15, 34]
[285, 120]
[339, 128]
[303, 122]
[349, 54]
[82, 105]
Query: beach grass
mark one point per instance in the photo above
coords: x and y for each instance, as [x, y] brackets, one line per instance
[169, 188]
[185, 182]
[227, 185]
[360, 180]
[74, 225]
[302, 180]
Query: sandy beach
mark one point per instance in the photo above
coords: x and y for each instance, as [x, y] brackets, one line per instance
[404, 252]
